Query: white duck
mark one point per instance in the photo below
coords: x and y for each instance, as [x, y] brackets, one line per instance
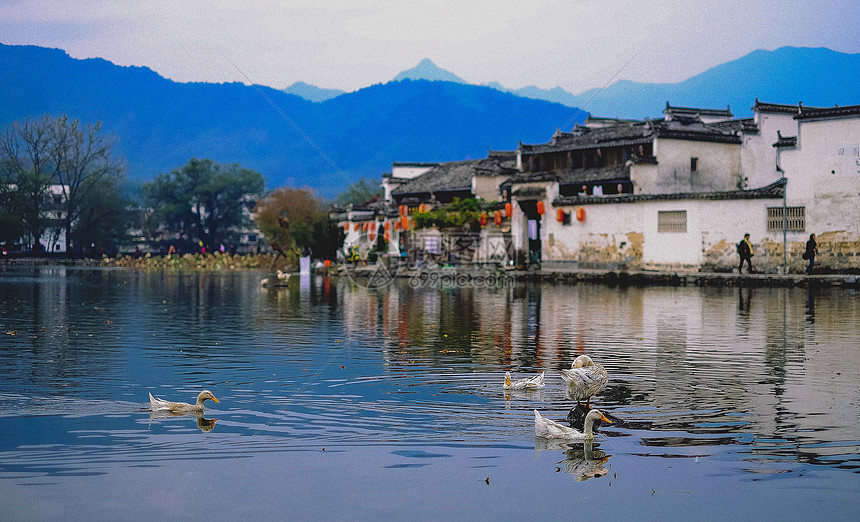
[283, 276]
[584, 379]
[549, 429]
[529, 383]
[156, 404]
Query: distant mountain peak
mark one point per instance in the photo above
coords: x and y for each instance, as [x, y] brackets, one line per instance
[427, 70]
[312, 92]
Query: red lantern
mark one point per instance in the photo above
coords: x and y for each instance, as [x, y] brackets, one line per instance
[356, 226]
[404, 222]
[403, 210]
[580, 214]
[540, 208]
[397, 225]
[509, 210]
[327, 263]
[497, 218]
[386, 236]
[559, 215]
[483, 219]
[372, 235]
[422, 208]
[346, 227]
[387, 225]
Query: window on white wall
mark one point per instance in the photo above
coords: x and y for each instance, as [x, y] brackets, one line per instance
[672, 221]
[795, 222]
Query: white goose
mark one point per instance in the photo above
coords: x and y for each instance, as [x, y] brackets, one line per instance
[156, 404]
[529, 383]
[549, 429]
[584, 379]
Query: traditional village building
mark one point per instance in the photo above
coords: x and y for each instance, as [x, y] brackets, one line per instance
[678, 192]
[460, 180]
[820, 161]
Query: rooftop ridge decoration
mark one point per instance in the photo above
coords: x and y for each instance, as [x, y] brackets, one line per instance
[808, 113]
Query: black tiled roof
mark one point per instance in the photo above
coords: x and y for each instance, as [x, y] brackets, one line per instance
[774, 107]
[726, 113]
[574, 176]
[746, 125]
[807, 113]
[530, 193]
[785, 141]
[773, 191]
[592, 137]
[638, 133]
[456, 176]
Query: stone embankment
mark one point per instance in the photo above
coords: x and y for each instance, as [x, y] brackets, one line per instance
[645, 278]
[226, 262]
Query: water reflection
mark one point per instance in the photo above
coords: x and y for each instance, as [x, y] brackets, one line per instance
[203, 423]
[583, 461]
[764, 378]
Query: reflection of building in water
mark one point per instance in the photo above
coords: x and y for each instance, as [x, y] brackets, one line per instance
[760, 368]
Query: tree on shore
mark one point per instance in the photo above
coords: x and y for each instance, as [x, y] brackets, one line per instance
[204, 201]
[29, 160]
[49, 168]
[293, 219]
[359, 192]
[88, 177]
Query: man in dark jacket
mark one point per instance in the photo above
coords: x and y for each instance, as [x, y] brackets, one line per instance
[811, 250]
[745, 251]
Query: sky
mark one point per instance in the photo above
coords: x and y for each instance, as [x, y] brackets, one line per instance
[350, 44]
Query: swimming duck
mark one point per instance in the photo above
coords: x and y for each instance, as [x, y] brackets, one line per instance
[282, 276]
[549, 429]
[529, 383]
[584, 379]
[156, 404]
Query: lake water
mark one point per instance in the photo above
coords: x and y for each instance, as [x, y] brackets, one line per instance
[342, 401]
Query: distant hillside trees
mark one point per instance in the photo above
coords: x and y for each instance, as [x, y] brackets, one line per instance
[51, 168]
[294, 219]
[360, 192]
[203, 201]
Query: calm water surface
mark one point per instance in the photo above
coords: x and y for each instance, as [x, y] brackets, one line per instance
[338, 400]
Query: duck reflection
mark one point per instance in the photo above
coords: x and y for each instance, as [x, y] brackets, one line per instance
[203, 423]
[583, 461]
[576, 418]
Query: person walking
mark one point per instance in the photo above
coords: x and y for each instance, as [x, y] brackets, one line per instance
[745, 251]
[811, 250]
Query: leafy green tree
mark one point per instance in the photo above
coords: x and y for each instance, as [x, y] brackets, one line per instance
[11, 227]
[102, 216]
[458, 213]
[294, 219]
[359, 192]
[204, 200]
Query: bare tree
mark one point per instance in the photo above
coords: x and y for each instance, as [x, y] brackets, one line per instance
[29, 165]
[85, 162]
[36, 154]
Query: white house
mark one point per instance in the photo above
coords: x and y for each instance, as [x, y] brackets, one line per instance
[682, 191]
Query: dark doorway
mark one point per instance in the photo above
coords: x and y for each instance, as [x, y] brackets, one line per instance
[533, 219]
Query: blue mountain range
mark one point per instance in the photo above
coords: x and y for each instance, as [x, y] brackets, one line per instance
[426, 114]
